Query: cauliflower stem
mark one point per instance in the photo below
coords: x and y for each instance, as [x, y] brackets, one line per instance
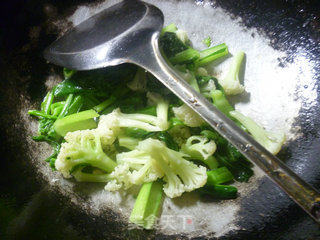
[272, 141]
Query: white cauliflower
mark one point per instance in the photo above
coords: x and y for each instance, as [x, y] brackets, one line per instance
[113, 121]
[272, 141]
[199, 147]
[139, 82]
[110, 124]
[231, 83]
[188, 116]
[207, 89]
[108, 127]
[180, 134]
[152, 160]
[188, 76]
[82, 148]
[202, 71]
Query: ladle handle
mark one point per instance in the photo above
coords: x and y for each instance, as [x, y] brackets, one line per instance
[301, 192]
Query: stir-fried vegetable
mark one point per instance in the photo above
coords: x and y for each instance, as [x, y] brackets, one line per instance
[120, 126]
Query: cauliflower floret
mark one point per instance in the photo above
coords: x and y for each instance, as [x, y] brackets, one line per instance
[202, 71]
[114, 121]
[270, 140]
[208, 88]
[188, 76]
[139, 82]
[231, 83]
[199, 147]
[108, 127]
[152, 160]
[134, 168]
[188, 116]
[180, 134]
[110, 124]
[82, 148]
[120, 177]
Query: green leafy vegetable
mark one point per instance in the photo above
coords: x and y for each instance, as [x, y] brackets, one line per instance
[78, 121]
[168, 140]
[236, 165]
[170, 28]
[221, 102]
[207, 41]
[186, 56]
[41, 114]
[100, 82]
[47, 102]
[67, 73]
[136, 132]
[211, 54]
[220, 191]
[171, 44]
[218, 176]
[147, 206]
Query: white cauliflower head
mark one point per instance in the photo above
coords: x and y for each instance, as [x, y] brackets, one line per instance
[199, 147]
[139, 82]
[188, 116]
[82, 148]
[152, 160]
[180, 134]
[231, 83]
[108, 127]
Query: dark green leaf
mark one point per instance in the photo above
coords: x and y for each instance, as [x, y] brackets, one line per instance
[168, 140]
[171, 44]
[220, 191]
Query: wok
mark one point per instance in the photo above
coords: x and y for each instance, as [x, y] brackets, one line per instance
[282, 77]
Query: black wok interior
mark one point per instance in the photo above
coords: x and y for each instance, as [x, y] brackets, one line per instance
[31, 210]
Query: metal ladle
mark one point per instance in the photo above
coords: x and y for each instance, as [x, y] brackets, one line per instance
[128, 32]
